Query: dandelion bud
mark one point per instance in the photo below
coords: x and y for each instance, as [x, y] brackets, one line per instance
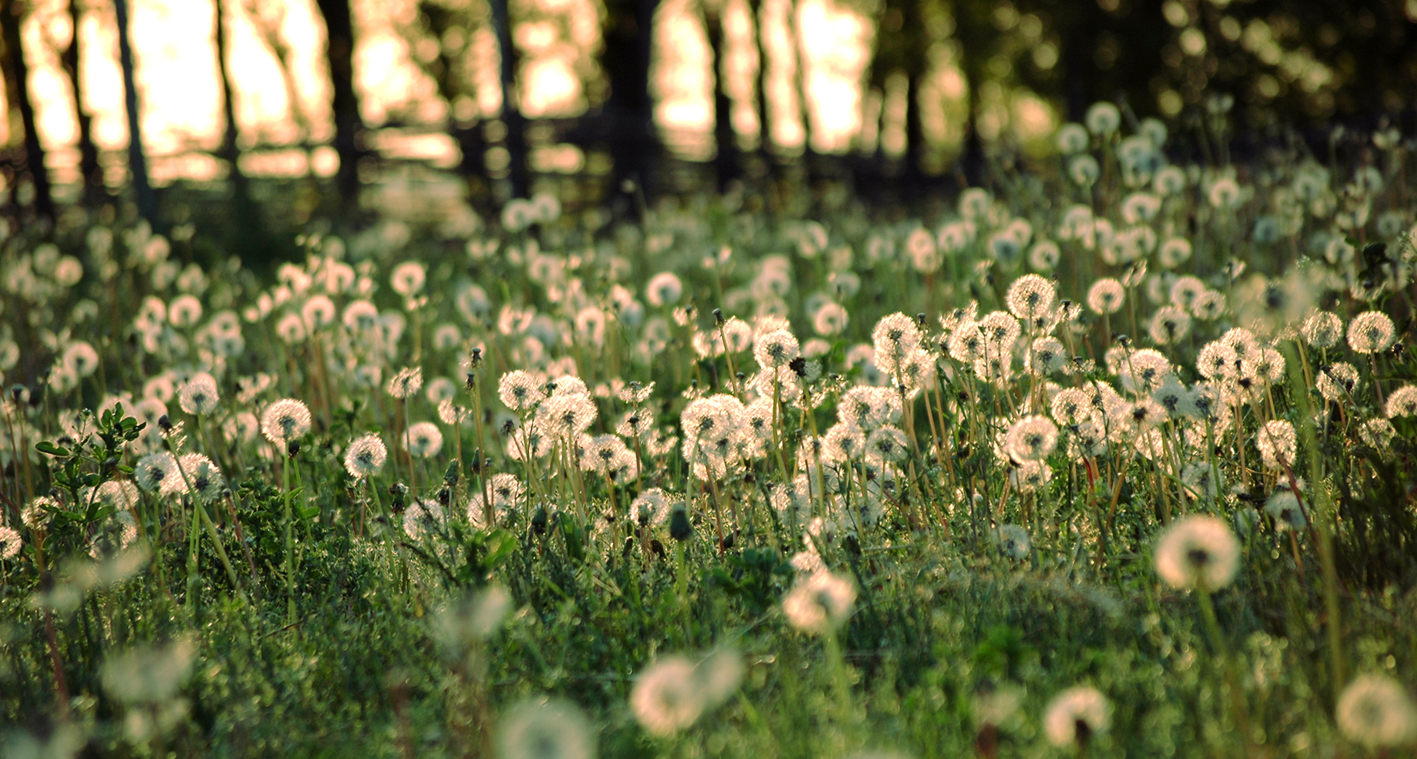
[292, 448]
[679, 527]
[164, 423]
[450, 476]
[444, 495]
[718, 316]
[471, 381]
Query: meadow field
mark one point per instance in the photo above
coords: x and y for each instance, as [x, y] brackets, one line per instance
[1113, 458]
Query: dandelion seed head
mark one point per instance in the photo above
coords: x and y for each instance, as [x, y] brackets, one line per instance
[1337, 381]
[184, 311]
[285, 420]
[1106, 296]
[1169, 325]
[1013, 541]
[114, 535]
[157, 473]
[564, 416]
[1202, 480]
[148, 674]
[1075, 715]
[1402, 402]
[406, 383]
[1375, 711]
[544, 728]
[408, 278]
[1103, 118]
[423, 439]
[1198, 551]
[199, 395]
[1277, 444]
[1322, 329]
[1174, 252]
[1084, 170]
[1044, 255]
[667, 696]
[120, 495]
[776, 349]
[80, 359]
[650, 508]
[1071, 138]
[1286, 511]
[422, 517]
[1031, 438]
[1377, 434]
[520, 390]
[201, 477]
[365, 456]
[830, 319]
[1030, 476]
[1031, 297]
[1370, 332]
[887, 443]
[10, 543]
[819, 603]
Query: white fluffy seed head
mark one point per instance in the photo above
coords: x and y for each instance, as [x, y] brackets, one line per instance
[1198, 552]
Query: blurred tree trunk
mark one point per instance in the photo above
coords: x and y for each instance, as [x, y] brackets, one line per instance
[765, 148]
[339, 55]
[17, 79]
[444, 70]
[90, 173]
[725, 162]
[230, 151]
[804, 106]
[977, 36]
[628, 38]
[511, 112]
[248, 232]
[137, 159]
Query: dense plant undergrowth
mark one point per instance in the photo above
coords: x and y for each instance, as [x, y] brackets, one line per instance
[1115, 457]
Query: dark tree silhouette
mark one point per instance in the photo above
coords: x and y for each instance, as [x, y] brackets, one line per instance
[18, 92]
[765, 147]
[726, 167]
[440, 19]
[903, 44]
[625, 121]
[230, 151]
[249, 230]
[91, 175]
[511, 112]
[137, 159]
[339, 55]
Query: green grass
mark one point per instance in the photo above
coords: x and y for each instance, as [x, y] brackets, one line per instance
[295, 612]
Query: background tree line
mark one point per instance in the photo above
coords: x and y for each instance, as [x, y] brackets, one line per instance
[1290, 65]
